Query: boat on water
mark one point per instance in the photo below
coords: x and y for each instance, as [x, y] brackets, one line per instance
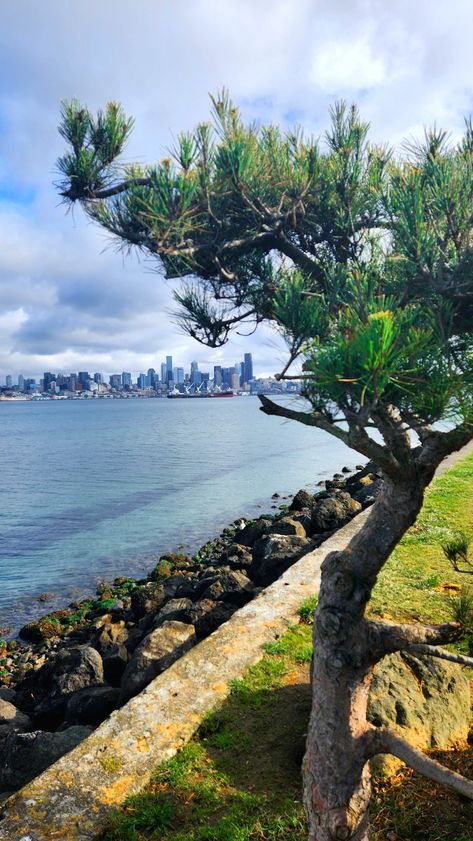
[184, 395]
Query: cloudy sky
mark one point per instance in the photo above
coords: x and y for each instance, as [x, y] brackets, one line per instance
[67, 302]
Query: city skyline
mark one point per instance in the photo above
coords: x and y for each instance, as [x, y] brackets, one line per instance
[11, 378]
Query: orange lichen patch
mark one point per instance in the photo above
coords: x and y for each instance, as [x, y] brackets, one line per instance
[141, 745]
[116, 793]
[219, 687]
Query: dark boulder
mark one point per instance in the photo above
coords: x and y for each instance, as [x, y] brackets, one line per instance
[25, 755]
[211, 616]
[176, 610]
[334, 512]
[274, 554]
[91, 705]
[12, 720]
[70, 670]
[302, 499]
[233, 587]
[147, 598]
[253, 531]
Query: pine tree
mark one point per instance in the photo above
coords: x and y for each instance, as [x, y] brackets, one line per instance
[363, 261]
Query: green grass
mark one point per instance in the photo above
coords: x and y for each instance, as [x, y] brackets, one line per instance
[239, 778]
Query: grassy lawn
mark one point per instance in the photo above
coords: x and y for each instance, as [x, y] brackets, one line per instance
[239, 778]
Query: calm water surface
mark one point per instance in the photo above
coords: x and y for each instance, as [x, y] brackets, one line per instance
[92, 490]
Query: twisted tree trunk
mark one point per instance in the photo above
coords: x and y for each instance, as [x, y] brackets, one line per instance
[336, 775]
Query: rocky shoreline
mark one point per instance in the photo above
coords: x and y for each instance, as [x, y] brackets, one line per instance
[73, 667]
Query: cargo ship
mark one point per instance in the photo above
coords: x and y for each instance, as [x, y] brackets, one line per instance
[180, 395]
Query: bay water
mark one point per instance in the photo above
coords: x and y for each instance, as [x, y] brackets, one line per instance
[95, 489]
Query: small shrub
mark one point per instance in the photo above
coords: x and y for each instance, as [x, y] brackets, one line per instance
[306, 611]
[460, 608]
[456, 550]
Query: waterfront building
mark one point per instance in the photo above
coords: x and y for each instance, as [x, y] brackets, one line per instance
[141, 382]
[84, 378]
[9, 381]
[126, 379]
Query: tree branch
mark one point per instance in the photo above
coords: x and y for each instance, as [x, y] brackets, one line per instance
[386, 741]
[432, 651]
[269, 407]
[387, 638]
[98, 195]
[357, 440]
[299, 257]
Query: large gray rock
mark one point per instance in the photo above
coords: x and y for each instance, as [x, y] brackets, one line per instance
[288, 525]
[425, 699]
[174, 610]
[334, 512]
[25, 755]
[233, 587]
[71, 669]
[155, 654]
[274, 554]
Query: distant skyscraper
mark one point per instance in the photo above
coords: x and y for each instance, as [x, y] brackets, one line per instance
[48, 378]
[115, 380]
[141, 382]
[8, 381]
[163, 373]
[21, 382]
[168, 368]
[179, 376]
[217, 375]
[98, 378]
[126, 379]
[248, 368]
[84, 378]
[151, 378]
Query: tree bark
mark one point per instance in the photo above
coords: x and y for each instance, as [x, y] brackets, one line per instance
[336, 775]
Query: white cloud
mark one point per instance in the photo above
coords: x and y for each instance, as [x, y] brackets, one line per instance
[407, 64]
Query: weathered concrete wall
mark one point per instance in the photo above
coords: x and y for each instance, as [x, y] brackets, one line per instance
[72, 798]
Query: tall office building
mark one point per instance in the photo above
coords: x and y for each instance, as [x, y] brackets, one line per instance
[48, 378]
[84, 378]
[21, 382]
[151, 378]
[248, 368]
[9, 381]
[141, 381]
[126, 379]
[217, 375]
[98, 378]
[115, 380]
[179, 376]
[168, 368]
[163, 373]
